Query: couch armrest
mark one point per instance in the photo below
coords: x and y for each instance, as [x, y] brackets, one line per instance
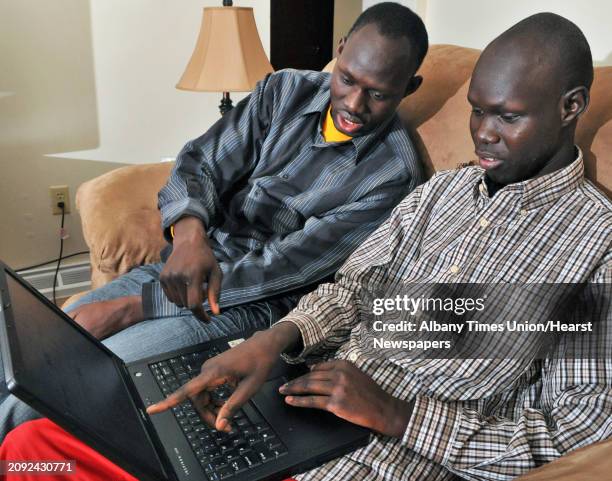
[592, 463]
[121, 223]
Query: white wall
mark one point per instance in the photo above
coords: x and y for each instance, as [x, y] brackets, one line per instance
[474, 23]
[345, 14]
[140, 49]
[86, 86]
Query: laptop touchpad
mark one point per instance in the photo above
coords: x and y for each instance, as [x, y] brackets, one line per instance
[297, 425]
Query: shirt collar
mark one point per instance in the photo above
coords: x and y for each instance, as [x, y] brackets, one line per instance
[549, 188]
[544, 190]
[320, 101]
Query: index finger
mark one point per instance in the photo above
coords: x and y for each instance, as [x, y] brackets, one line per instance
[190, 389]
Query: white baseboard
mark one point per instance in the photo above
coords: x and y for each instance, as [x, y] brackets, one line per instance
[71, 279]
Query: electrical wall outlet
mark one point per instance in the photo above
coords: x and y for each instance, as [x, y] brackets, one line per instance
[59, 193]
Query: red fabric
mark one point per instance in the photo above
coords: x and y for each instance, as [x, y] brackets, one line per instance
[45, 440]
[42, 439]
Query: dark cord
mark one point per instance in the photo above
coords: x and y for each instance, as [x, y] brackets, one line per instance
[59, 259]
[68, 256]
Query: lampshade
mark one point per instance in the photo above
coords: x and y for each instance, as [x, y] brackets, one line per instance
[228, 56]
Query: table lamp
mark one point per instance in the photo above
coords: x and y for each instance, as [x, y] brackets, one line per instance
[228, 56]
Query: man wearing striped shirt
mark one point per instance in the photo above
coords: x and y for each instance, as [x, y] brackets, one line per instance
[526, 216]
[272, 199]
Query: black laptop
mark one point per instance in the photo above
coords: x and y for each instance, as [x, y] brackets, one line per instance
[63, 372]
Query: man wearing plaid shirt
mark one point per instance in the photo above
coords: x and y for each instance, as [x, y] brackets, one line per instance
[527, 216]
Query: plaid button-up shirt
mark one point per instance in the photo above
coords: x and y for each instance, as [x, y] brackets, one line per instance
[283, 209]
[477, 419]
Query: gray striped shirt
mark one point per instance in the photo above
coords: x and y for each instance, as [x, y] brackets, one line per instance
[283, 209]
[481, 419]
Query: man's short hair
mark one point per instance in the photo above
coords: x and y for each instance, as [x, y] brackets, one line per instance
[395, 21]
[563, 41]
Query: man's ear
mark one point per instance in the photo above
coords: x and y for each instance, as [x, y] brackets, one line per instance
[341, 44]
[574, 103]
[414, 83]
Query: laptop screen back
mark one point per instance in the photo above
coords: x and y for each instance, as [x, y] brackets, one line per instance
[73, 377]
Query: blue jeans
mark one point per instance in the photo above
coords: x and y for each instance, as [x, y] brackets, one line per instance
[156, 336]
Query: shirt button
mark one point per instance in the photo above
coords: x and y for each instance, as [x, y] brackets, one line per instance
[523, 212]
[455, 269]
[285, 176]
[353, 357]
[484, 222]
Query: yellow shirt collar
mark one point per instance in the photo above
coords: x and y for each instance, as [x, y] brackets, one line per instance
[329, 130]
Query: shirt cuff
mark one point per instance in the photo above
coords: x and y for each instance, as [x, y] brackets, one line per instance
[311, 333]
[432, 429]
[172, 212]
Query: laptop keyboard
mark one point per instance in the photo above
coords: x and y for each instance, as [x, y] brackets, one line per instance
[222, 455]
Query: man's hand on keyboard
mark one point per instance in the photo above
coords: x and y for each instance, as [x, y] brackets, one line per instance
[343, 389]
[245, 367]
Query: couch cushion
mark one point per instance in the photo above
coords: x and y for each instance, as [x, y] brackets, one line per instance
[437, 114]
[121, 223]
[592, 463]
[594, 133]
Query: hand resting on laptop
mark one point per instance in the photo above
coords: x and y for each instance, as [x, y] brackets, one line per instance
[341, 388]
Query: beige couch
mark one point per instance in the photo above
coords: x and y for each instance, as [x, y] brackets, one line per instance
[119, 209]
[121, 223]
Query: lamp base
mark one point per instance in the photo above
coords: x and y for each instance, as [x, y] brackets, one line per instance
[226, 103]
